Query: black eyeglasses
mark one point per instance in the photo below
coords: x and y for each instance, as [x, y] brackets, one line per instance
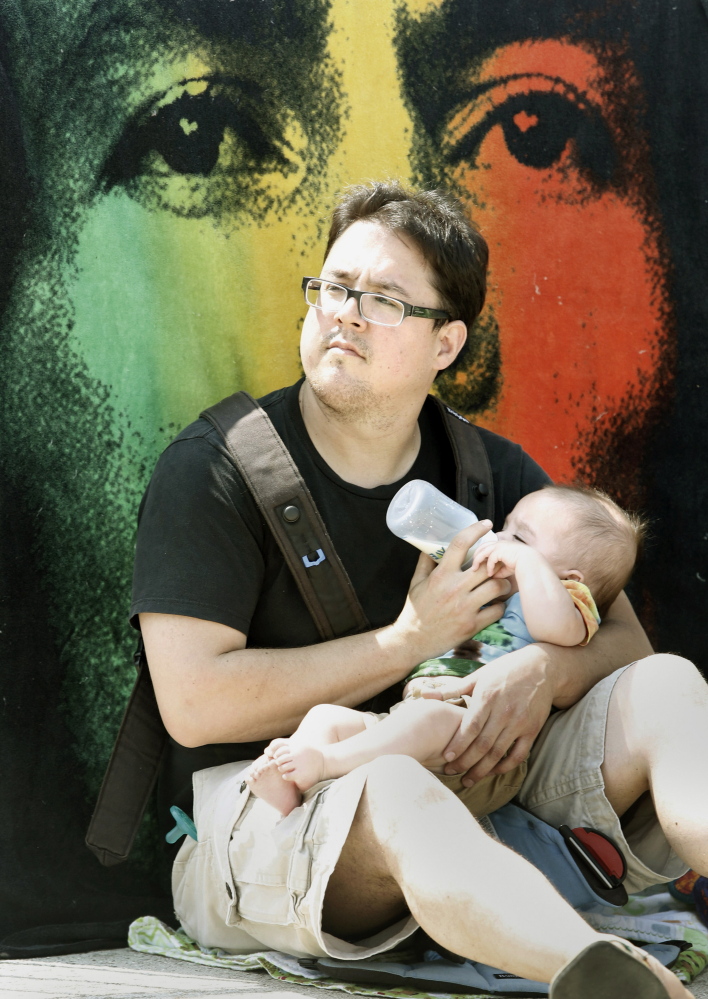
[379, 309]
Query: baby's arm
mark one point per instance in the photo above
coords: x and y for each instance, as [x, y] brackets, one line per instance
[549, 610]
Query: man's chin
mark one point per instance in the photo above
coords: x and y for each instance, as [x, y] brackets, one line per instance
[337, 388]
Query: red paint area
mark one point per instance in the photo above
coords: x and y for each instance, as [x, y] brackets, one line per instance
[574, 283]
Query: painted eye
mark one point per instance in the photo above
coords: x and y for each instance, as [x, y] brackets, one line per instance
[209, 145]
[538, 127]
[187, 133]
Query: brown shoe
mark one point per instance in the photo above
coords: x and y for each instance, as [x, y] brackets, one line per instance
[607, 969]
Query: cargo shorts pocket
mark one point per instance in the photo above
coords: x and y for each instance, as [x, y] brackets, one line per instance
[271, 860]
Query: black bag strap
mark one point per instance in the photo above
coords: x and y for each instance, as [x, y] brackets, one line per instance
[275, 483]
[475, 484]
[131, 773]
[285, 502]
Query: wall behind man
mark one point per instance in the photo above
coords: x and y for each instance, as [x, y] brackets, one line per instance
[166, 169]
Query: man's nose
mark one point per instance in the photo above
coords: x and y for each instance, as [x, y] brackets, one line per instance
[348, 314]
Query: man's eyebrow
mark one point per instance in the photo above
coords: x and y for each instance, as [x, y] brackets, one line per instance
[341, 275]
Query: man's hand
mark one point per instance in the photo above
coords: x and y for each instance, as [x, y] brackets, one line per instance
[511, 701]
[446, 605]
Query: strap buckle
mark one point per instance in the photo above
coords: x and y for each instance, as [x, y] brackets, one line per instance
[309, 563]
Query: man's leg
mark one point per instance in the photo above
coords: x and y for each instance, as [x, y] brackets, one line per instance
[414, 846]
[657, 740]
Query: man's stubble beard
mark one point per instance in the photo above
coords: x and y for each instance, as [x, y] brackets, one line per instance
[349, 400]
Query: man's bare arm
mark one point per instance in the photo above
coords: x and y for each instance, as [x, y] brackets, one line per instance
[513, 696]
[211, 688]
[619, 641]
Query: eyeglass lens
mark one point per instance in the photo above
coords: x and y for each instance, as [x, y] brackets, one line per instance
[374, 308]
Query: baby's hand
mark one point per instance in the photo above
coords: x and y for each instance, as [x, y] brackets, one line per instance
[441, 688]
[502, 557]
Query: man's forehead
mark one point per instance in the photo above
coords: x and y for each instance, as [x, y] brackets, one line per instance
[388, 258]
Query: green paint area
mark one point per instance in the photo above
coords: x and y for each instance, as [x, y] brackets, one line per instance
[153, 319]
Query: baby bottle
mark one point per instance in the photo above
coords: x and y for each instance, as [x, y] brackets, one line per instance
[422, 515]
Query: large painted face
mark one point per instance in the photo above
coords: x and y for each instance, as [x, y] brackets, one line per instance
[185, 155]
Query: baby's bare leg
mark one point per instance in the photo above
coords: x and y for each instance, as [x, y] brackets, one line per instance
[419, 728]
[323, 724]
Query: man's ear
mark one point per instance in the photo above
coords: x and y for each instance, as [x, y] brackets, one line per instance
[451, 339]
[575, 574]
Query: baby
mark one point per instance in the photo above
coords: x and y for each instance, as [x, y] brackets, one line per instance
[567, 551]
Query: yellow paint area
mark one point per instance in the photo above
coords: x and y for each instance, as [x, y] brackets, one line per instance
[377, 126]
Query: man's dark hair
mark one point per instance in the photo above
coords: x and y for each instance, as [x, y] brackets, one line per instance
[455, 251]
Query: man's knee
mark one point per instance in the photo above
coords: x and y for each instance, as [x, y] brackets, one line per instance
[666, 673]
[396, 783]
[659, 687]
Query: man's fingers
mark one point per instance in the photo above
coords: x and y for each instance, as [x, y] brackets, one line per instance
[502, 758]
[491, 755]
[467, 733]
[488, 615]
[490, 745]
[466, 684]
[424, 567]
[516, 755]
[457, 550]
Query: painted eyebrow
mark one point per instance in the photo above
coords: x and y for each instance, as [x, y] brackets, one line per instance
[383, 285]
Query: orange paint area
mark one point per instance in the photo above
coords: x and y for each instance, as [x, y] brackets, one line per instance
[575, 284]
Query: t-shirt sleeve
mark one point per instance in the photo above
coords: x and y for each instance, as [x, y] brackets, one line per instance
[514, 471]
[200, 539]
[585, 603]
[531, 475]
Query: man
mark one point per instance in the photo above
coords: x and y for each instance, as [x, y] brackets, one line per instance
[234, 658]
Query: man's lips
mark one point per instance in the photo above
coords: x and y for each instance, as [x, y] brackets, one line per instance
[345, 347]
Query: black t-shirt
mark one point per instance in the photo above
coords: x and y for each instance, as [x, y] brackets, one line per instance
[204, 551]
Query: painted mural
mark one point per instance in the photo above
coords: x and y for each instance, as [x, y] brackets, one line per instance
[166, 169]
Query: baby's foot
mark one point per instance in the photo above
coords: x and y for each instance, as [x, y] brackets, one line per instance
[270, 749]
[267, 783]
[304, 765]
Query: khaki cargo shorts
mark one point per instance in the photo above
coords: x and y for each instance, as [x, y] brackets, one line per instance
[564, 784]
[487, 794]
[255, 881]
